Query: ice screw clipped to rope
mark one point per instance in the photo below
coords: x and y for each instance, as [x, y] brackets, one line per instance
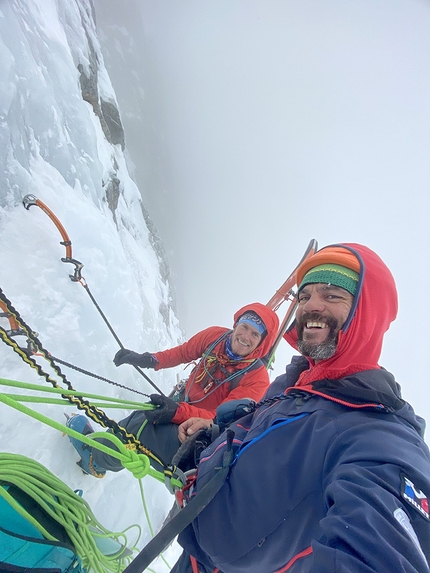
[30, 201]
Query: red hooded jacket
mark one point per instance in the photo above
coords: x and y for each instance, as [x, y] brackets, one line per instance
[374, 308]
[253, 383]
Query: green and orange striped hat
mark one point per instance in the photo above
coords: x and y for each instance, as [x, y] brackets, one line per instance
[332, 265]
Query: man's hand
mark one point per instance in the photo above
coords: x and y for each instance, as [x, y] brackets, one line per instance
[125, 356]
[191, 426]
[188, 455]
[165, 411]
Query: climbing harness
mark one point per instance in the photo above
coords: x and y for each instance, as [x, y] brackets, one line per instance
[29, 201]
[209, 363]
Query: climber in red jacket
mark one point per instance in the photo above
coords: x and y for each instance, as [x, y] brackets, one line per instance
[230, 367]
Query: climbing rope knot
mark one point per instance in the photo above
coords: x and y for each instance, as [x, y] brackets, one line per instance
[137, 464]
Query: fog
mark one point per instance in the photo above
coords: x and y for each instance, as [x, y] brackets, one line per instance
[255, 126]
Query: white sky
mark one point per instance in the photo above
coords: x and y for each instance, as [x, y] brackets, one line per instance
[255, 126]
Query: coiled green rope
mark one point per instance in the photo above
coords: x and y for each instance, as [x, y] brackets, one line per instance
[67, 508]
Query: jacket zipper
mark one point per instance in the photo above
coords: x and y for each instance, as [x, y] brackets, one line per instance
[342, 402]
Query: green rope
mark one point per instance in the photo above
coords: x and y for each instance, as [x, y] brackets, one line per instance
[48, 389]
[137, 464]
[59, 402]
[131, 461]
[95, 414]
[68, 394]
[68, 509]
[148, 521]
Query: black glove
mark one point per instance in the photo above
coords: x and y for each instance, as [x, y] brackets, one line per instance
[125, 356]
[165, 411]
[188, 455]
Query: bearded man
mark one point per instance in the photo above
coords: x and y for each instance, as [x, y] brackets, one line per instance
[331, 471]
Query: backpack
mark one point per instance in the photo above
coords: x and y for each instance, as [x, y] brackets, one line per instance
[23, 548]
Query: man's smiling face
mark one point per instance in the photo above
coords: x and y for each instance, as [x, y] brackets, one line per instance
[323, 310]
[244, 339]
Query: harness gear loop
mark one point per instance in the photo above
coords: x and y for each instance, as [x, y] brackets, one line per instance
[183, 494]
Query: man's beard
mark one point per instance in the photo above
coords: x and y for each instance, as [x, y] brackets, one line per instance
[325, 349]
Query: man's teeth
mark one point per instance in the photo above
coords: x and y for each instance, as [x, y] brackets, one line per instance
[316, 325]
[242, 343]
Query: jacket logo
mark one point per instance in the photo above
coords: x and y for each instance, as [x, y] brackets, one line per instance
[415, 497]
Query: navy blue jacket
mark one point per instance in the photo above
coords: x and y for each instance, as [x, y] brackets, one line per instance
[331, 478]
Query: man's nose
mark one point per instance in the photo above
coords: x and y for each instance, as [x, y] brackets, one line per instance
[315, 303]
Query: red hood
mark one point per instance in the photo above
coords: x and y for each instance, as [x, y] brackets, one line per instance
[373, 310]
[271, 321]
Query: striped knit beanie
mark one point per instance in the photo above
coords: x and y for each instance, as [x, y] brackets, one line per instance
[332, 265]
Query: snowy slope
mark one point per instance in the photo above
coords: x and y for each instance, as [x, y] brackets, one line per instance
[61, 140]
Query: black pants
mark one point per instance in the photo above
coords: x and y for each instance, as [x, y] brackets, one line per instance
[162, 439]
